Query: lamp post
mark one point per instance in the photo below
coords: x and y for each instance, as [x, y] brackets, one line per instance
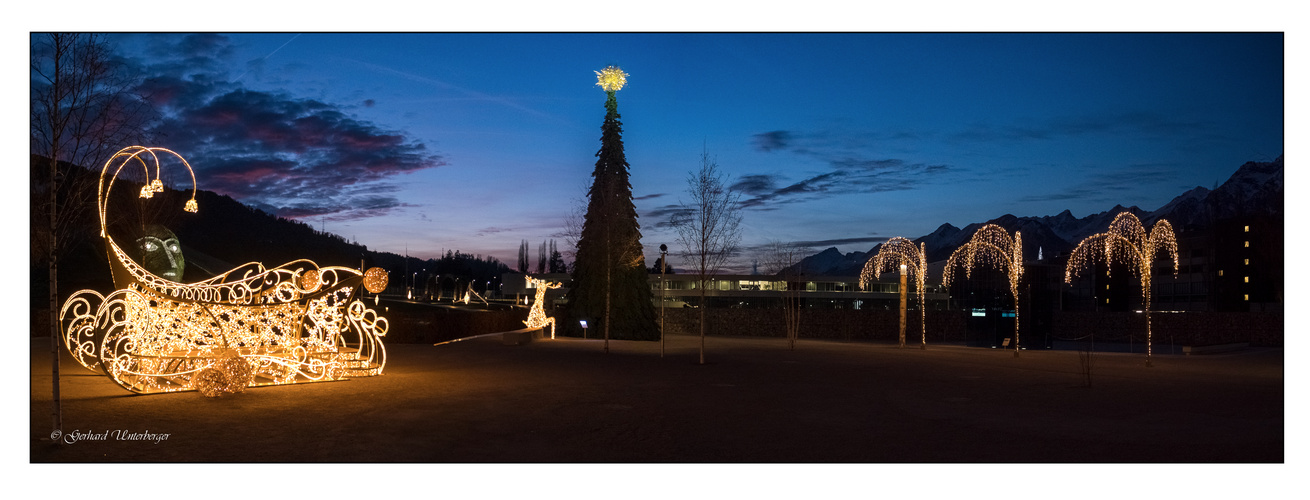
[583, 322]
[664, 264]
[903, 305]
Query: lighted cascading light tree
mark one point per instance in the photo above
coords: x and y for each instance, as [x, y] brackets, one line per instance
[250, 326]
[537, 317]
[1127, 242]
[992, 246]
[901, 253]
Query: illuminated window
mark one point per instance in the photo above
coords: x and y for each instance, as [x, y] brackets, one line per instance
[1107, 286]
[1107, 300]
[1221, 272]
[1246, 229]
[1246, 279]
[1246, 297]
[1246, 244]
[1246, 262]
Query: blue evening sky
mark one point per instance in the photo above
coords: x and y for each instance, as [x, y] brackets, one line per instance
[427, 142]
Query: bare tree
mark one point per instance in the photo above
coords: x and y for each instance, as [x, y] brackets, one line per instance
[783, 259]
[573, 224]
[709, 228]
[83, 110]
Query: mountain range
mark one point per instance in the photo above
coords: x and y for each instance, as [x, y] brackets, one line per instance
[1255, 189]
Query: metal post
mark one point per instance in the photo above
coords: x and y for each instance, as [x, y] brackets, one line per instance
[664, 265]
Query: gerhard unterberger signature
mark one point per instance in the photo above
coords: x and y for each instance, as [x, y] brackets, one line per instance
[74, 436]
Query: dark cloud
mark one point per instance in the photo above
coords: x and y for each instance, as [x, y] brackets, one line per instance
[662, 217]
[649, 196]
[188, 54]
[1138, 123]
[852, 166]
[486, 231]
[806, 245]
[840, 241]
[1110, 186]
[300, 157]
[755, 184]
[368, 103]
[772, 141]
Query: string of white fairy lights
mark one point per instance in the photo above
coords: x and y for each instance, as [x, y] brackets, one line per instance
[537, 316]
[896, 252]
[991, 246]
[1127, 242]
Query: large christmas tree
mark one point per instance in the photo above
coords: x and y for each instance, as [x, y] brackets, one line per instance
[609, 276]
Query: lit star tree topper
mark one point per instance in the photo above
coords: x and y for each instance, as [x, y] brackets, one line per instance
[611, 79]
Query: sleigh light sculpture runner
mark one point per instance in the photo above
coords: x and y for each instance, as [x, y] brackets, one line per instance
[250, 326]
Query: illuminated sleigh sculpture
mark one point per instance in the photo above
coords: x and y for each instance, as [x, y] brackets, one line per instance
[250, 326]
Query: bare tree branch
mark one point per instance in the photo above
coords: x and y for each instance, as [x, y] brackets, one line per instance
[82, 111]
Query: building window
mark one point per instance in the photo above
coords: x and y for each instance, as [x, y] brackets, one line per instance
[1246, 262]
[1246, 297]
[1247, 243]
[1246, 229]
[1246, 279]
[1221, 272]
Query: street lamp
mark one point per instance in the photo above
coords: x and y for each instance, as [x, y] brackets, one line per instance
[583, 322]
[664, 265]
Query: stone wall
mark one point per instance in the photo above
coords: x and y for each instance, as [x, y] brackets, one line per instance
[831, 324]
[1193, 328]
[421, 324]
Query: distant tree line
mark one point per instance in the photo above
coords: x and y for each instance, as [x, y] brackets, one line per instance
[223, 234]
[549, 258]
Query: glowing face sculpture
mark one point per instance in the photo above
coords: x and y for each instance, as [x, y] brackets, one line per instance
[250, 326]
[161, 253]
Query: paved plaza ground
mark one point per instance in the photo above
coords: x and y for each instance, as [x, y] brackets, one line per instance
[565, 400]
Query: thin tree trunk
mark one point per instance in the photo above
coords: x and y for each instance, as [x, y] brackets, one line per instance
[1016, 324]
[55, 413]
[608, 290]
[702, 322]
